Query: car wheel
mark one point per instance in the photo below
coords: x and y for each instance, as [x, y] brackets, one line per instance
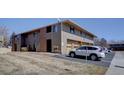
[93, 57]
[72, 54]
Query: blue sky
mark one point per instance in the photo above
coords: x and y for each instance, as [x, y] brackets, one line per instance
[108, 28]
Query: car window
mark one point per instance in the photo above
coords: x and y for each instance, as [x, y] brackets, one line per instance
[91, 48]
[82, 48]
[94, 48]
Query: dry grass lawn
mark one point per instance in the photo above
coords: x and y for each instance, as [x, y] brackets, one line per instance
[38, 63]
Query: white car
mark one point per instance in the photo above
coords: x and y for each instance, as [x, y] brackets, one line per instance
[94, 52]
[109, 50]
[105, 50]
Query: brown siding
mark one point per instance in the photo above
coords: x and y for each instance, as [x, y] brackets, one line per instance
[56, 40]
[43, 40]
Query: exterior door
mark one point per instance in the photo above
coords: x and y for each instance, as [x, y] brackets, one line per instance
[49, 45]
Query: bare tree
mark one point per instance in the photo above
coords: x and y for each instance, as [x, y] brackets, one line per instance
[4, 35]
[97, 41]
[101, 42]
[12, 38]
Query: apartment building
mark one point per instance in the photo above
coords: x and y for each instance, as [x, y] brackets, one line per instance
[59, 37]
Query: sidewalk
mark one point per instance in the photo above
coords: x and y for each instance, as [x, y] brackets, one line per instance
[117, 65]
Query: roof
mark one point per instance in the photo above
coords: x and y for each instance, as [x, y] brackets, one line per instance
[79, 27]
[65, 21]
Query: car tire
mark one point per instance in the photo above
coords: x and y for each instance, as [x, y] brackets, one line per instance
[93, 57]
[72, 54]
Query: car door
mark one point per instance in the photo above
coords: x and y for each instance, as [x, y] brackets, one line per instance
[81, 51]
[91, 50]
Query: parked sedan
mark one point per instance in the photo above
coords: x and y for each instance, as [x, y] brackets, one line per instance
[94, 52]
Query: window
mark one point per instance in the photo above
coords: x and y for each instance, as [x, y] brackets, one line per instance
[55, 28]
[72, 30]
[81, 33]
[91, 48]
[48, 29]
[34, 34]
[82, 48]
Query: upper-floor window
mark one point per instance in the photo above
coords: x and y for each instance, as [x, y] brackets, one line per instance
[88, 37]
[34, 33]
[72, 30]
[55, 29]
[81, 33]
[48, 29]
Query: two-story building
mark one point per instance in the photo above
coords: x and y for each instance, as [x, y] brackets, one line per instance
[59, 37]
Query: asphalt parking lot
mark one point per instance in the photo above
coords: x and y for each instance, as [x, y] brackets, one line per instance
[104, 62]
